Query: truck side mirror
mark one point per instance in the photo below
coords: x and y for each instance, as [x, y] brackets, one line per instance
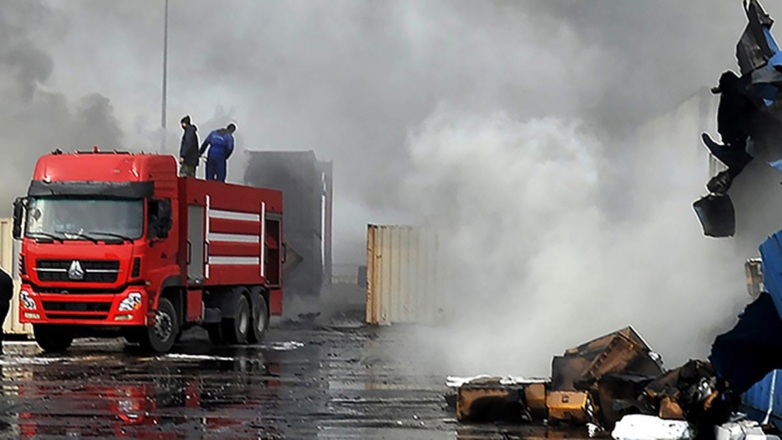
[19, 205]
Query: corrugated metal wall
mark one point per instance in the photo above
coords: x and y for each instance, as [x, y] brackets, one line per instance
[405, 281]
[9, 251]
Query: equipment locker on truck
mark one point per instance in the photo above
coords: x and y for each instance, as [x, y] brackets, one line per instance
[116, 243]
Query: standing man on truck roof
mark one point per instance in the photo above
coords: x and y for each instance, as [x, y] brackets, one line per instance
[188, 152]
[6, 292]
[221, 146]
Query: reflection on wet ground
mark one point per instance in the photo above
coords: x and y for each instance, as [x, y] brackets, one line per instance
[304, 382]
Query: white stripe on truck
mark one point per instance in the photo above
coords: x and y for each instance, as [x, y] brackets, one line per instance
[234, 215]
[206, 237]
[263, 240]
[232, 238]
[252, 261]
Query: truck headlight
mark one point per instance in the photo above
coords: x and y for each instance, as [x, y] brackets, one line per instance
[27, 302]
[754, 270]
[131, 302]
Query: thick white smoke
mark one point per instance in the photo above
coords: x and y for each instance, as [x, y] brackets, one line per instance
[550, 241]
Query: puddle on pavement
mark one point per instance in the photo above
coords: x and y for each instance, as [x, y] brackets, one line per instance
[301, 383]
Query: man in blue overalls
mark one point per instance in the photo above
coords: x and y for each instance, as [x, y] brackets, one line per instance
[221, 146]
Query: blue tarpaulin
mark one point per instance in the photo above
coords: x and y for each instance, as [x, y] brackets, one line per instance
[747, 353]
[771, 254]
[763, 402]
[753, 348]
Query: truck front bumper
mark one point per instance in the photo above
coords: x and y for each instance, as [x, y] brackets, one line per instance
[128, 308]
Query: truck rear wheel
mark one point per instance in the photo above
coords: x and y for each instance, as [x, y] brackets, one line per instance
[53, 338]
[237, 329]
[260, 321]
[161, 336]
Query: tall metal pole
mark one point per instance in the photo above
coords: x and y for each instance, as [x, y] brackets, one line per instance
[165, 80]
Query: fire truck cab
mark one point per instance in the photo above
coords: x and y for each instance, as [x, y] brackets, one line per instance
[115, 243]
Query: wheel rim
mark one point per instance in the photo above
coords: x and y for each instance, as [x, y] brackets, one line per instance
[163, 326]
[244, 321]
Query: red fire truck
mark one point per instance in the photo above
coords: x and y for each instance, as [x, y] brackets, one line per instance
[116, 243]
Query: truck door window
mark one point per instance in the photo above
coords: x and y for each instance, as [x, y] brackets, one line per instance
[152, 219]
[159, 218]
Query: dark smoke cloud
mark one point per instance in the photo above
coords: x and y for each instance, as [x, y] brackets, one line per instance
[33, 119]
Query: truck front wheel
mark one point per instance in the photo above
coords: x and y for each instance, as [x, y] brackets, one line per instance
[160, 337]
[53, 338]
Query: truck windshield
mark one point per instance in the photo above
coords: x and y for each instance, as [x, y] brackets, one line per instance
[85, 219]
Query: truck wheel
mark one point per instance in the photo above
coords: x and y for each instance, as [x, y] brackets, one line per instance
[161, 336]
[53, 338]
[260, 322]
[236, 329]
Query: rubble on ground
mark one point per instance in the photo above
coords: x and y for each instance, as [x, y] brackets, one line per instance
[613, 384]
[742, 430]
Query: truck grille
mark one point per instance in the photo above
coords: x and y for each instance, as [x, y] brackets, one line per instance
[92, 271]
[76, 316]
[59, 306]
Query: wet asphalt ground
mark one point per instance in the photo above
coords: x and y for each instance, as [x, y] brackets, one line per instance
[337, 380]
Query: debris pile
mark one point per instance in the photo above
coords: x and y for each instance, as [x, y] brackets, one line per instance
[614, 383]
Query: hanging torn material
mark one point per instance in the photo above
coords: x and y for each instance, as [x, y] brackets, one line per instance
[748, 102]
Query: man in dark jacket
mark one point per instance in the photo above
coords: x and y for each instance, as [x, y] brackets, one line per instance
[188, 152]
[221, 146]
[6, 292]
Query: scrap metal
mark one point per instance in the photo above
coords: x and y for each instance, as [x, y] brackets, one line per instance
[599, 383]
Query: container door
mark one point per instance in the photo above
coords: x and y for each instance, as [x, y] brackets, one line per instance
[195, 243]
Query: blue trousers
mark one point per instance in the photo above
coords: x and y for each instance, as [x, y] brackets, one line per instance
[216, 169]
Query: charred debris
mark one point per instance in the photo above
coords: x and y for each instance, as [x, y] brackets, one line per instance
[613, 385]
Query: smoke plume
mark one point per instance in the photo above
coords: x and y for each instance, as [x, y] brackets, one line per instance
[349, 79]
[34, 120]
[537, 260]
[510, 125]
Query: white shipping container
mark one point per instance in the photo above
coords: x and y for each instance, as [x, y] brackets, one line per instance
[405, 280]
[9, 254]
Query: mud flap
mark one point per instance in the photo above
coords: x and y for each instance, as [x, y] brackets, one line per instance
[717, 215]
